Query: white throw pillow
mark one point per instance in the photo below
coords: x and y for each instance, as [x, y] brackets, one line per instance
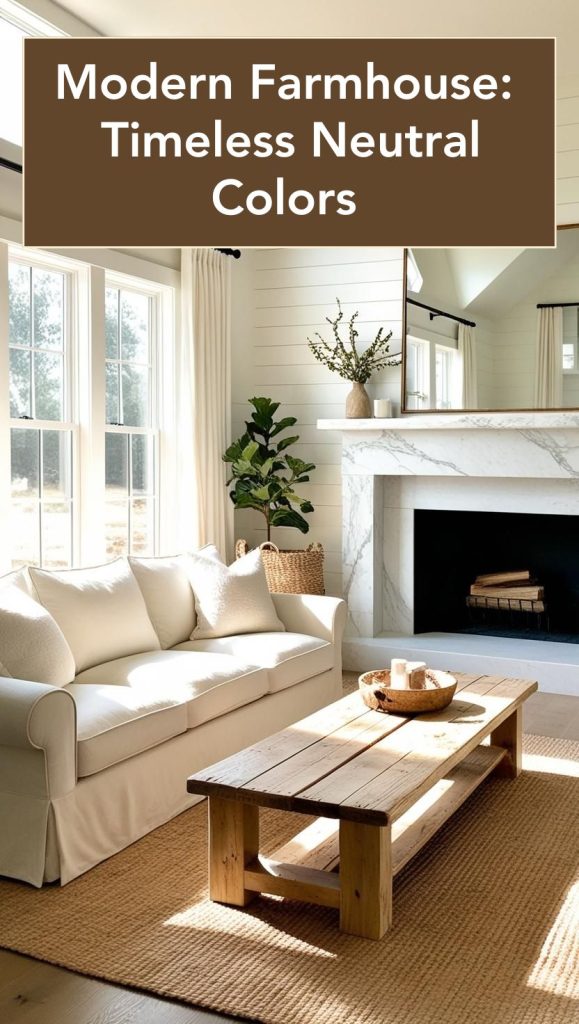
[100, 610]
[232, 599]
[31, 643]
[166, 587]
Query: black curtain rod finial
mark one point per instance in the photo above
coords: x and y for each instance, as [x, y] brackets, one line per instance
[236, 253]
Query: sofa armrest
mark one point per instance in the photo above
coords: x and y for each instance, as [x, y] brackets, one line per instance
[35, 716]
[313, 615]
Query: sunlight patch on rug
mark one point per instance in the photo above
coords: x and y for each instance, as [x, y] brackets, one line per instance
[557, 969]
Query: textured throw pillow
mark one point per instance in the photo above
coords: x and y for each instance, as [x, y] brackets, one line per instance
[100, 610]
[31, 644]
[231, 599]
[166, 587]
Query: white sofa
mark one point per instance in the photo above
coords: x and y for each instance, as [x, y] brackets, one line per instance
[88, 767]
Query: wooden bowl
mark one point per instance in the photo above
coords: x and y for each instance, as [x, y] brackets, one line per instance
[379, 695]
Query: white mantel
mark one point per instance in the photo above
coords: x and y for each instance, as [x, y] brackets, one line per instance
[512, 462]
[459, 421]
[510, 445]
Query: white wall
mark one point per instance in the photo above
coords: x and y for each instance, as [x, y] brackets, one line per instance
[568, 149]
[280, 296]
[514, 342]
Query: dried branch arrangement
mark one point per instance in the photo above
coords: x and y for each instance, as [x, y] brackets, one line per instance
[349, 362]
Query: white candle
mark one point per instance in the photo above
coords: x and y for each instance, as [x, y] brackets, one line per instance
[398, 674]
[382, 408]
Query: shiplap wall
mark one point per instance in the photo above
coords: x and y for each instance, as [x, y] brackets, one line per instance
[280, 296]
[568, 150]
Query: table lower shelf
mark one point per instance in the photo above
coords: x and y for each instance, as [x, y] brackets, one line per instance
[307, 868]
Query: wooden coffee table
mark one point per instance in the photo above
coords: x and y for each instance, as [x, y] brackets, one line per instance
[381, 785]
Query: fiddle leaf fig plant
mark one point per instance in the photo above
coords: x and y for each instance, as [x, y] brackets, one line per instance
[263, 475]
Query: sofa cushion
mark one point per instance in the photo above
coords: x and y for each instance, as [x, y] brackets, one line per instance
[166, 588]
[231, 599]
[32, 645]
[207, 684]
[116, 722]
[100, 610]
[289, 657]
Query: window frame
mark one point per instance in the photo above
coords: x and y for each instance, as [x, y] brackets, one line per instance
[422, 346]
[43, 261]
[451, 357]
[69, 424]
[574, 369]
[430, 346]
[86, 410]
[154, 294]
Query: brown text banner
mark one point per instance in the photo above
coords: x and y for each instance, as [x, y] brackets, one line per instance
[287, 142]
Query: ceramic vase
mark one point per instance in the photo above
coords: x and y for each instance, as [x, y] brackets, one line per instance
[358, 405]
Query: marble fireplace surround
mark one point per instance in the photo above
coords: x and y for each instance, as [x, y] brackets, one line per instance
[496, 462]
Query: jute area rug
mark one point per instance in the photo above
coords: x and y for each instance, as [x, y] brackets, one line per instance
[485, 920]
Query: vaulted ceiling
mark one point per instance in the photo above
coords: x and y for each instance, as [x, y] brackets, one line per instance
[337, 17]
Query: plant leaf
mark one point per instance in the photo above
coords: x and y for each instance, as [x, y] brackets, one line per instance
[249, 451]
[289, 517]
[283, 424]
[285, 443]
[260, 493]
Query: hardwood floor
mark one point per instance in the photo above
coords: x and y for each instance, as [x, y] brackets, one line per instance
[32, 992]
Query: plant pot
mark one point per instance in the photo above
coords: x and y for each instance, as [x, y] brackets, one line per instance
[358, 405]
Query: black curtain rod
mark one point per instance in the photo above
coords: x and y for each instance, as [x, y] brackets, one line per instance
[236, 253]
[555, 305]
[10, 165]
[440, 312]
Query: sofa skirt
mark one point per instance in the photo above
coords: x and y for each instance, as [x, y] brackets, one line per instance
[108, 811]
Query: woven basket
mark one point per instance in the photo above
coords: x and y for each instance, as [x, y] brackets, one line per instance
[290, 572]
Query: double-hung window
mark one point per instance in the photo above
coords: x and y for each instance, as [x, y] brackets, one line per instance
[87, 410]
[570, 339]
[41, 353]
[132, 416]
[448, 379]
[417, 373]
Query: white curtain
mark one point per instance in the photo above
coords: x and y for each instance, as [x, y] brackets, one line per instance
[467, 350]
[549, 367]
[204, 388]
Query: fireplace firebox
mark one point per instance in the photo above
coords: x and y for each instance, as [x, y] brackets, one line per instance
[452, 548]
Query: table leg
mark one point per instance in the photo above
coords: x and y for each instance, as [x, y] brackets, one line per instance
[365, 879]
[233, 843]
[509, 734]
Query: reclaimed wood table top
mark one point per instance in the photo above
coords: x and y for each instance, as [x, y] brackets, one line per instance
[351, 763]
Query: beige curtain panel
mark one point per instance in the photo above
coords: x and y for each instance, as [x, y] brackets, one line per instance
[549, 367]
[205, 512]
[467, 350]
